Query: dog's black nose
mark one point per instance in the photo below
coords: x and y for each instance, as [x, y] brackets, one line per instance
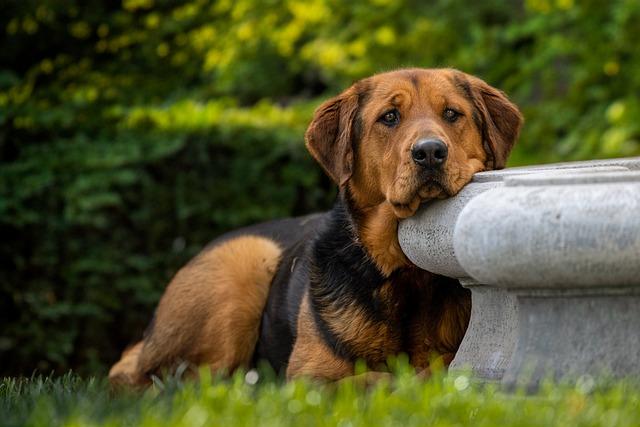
[429, 153]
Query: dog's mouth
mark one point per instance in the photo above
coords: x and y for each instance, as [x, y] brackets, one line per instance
[429, 187]
[432, 186]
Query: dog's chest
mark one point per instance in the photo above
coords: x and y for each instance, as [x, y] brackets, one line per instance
[421, 305]
[394, 321]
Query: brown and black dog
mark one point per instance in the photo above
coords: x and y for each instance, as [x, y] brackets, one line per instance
[312, 295]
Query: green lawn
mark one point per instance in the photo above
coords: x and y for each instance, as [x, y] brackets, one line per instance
[440, 401]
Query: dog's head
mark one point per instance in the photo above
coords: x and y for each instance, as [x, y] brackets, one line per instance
[411, 135]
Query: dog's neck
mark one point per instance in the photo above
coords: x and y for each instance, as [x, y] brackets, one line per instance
[345, 283]
[353, 298]
[376, 227]
[356, 255]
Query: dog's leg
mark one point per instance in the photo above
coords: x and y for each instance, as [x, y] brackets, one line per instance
[210, 313]
[311, 356]
[125, 372]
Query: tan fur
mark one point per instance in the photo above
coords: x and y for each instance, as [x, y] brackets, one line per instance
[438, 329]
[384, 181]
[211, 310]
[389, 175]
[126, 372]
[379, 234]
[311, 356]
[452, 326]
[385, 186]
[374, 341]
[332, 126]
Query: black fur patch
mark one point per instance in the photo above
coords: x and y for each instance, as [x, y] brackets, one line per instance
[279, 319]
[342, 274]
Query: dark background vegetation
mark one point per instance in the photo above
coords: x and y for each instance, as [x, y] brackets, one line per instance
[132, 132]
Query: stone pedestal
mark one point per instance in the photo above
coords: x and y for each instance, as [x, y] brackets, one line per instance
[551, 254]
[491, 336]
[567, 246]
[566, 334]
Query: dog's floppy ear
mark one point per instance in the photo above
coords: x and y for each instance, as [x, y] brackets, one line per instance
[500, 121]
[329, 136]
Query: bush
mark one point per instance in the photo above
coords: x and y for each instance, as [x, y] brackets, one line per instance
[132, 133]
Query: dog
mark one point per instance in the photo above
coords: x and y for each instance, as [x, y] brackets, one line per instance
[313, 295]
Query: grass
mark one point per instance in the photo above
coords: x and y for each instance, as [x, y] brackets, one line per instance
[441, 401]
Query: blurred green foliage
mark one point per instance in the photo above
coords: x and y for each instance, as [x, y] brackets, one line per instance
[258, 400]
[133, 132]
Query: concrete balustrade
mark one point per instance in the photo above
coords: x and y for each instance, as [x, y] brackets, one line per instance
[551, 254]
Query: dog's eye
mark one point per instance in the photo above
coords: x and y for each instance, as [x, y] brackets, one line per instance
[390, 118]
[451, 115]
